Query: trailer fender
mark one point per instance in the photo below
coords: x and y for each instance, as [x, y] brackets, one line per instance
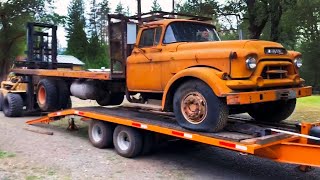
[210, 76]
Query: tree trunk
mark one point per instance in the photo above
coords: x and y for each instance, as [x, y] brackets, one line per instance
[256, 25]
[275, 17]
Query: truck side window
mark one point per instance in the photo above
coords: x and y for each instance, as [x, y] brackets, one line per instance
[169, 36]
[150, 37]
[147, 38]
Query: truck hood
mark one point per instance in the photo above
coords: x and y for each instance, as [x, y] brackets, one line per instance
[256, 46]
[216, 54]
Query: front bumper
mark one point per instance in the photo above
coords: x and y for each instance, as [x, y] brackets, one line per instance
[267, 95]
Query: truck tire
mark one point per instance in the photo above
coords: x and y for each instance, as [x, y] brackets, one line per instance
[12, 105]
[116, 98]
[47, 95]
[1, 100]
[64, 94]
[127, 141]
[104, 100]
[196, 107]
[275, 111]
[100, 134]
[111, 99]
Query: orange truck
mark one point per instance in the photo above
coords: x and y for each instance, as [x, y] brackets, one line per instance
[181, 62]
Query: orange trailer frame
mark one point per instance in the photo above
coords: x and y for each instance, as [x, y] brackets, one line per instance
[281, 147]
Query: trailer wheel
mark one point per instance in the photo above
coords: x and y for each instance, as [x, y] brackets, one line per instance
[12, 105]
[127, 141]
[47, 95]
[100, 134]
[1, 100]
[64, 94]
[148, 143]
[196, 107]
[275, 111]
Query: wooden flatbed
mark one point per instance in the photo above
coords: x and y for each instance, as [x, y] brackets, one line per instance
[64, 73]
[289, 146]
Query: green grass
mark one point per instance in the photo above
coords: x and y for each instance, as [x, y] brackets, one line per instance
[33, 178]
[307, 109]
[4, 154]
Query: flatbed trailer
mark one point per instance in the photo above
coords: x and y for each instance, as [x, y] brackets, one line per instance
[131, 131]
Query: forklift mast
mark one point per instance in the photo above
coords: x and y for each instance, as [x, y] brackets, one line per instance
[42, 44]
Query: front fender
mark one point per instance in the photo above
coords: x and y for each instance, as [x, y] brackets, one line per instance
[212, 77]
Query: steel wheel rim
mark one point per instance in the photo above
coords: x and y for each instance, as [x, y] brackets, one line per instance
[97, 133]
[194, 107]
[42, 95]
[123, 141]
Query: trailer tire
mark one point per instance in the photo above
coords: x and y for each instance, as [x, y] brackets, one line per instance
[64, 94]
[127, 141]
[100, 134]
[1, 101]
[47, 95]
[148, 143]
[275, 111]
[12, 105]
[196, 107]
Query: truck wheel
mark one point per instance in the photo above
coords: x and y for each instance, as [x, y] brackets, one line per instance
[196, 107]
[100, 134]
[111, 99]
[47, 95]
[12, 105]
[1, 100]
[275, 111]
[64, 94]
[127, 141]
[116, 98]
[104, 100]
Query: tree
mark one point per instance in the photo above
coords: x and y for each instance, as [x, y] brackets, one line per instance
[156, 6]
[13, 17]
[195, 7]
[77, 38]
[103, 12]
[119, 9]
[96, 56]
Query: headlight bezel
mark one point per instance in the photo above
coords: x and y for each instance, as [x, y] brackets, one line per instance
[251, 62]
[298, 62]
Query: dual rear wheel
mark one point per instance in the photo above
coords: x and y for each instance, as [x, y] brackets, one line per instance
[128, 142]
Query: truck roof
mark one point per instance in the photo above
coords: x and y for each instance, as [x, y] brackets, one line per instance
[165, 22]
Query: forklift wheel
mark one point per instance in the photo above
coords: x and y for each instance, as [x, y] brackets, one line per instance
[12, 105]
[1, 101]
[64, 95]
[127, 141]
[47, 95]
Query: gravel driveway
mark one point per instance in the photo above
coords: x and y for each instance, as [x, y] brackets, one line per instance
[69, 155]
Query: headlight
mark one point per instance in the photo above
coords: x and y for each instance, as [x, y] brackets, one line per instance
[298, 62]
[251, 63]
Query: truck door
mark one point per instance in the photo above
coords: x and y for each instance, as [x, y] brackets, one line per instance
[144, 65]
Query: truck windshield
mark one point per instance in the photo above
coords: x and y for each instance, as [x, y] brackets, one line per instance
[190, 32]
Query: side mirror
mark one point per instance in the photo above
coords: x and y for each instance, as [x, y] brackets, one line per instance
[131, 33]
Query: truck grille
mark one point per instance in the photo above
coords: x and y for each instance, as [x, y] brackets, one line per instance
[275, 72]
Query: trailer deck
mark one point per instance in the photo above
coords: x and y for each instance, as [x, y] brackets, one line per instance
[289, 146]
